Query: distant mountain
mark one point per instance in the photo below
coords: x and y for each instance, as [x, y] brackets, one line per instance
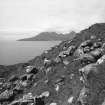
[50, 36]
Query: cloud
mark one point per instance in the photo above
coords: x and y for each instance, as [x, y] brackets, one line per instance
[50, 15]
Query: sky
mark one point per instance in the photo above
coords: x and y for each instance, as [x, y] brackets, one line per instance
[25, 18]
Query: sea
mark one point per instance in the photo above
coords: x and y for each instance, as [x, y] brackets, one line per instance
[13, 52]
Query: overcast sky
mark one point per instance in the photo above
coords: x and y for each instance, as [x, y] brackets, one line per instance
[28, 16]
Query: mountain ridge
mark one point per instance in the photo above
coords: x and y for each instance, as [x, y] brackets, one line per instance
[50, 36]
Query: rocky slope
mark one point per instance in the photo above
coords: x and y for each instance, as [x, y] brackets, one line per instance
[50, 36]
[71, 73]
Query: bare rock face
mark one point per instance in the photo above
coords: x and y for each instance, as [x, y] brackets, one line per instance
[72, 73]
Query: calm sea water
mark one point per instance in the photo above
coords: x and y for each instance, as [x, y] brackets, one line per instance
[12, 52]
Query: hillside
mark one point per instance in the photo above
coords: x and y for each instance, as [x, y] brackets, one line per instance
[50, 36]
[71, 73]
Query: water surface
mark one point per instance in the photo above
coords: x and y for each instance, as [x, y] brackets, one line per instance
[12, 52]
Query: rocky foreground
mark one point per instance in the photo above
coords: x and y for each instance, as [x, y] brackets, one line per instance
[71, 73]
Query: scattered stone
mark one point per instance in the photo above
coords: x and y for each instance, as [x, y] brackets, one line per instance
[60, 81]
[39, 101]
[62, 55]
[53, 103]
[6, 95]
[96, 53]
[48, 69]
[103, 102]
[23, 77]
[13, 78]
[70, 100]
[6, 85]
[57, 59]
[47, 62]
[57, 87]
[71, 76]
[46, 51]
[83, 96]
[67, 52]
[101, 60]
[66, 62]
[93, 37]
[87, 58]
[28, 96]
[23, 102]
[18, 87]
[79, 52]
[97, 44]
[71, 49]
[82, 79]
[31, 69]
[86, 49]
[45, 94]
[86, 43]
[25, 83]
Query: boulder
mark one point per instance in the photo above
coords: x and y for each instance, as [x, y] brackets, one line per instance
[86, 43]
[87, 58]
[96, 53]
[71, 49]
[97, 44]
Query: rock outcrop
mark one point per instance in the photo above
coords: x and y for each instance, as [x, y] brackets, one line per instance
[71, 73]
